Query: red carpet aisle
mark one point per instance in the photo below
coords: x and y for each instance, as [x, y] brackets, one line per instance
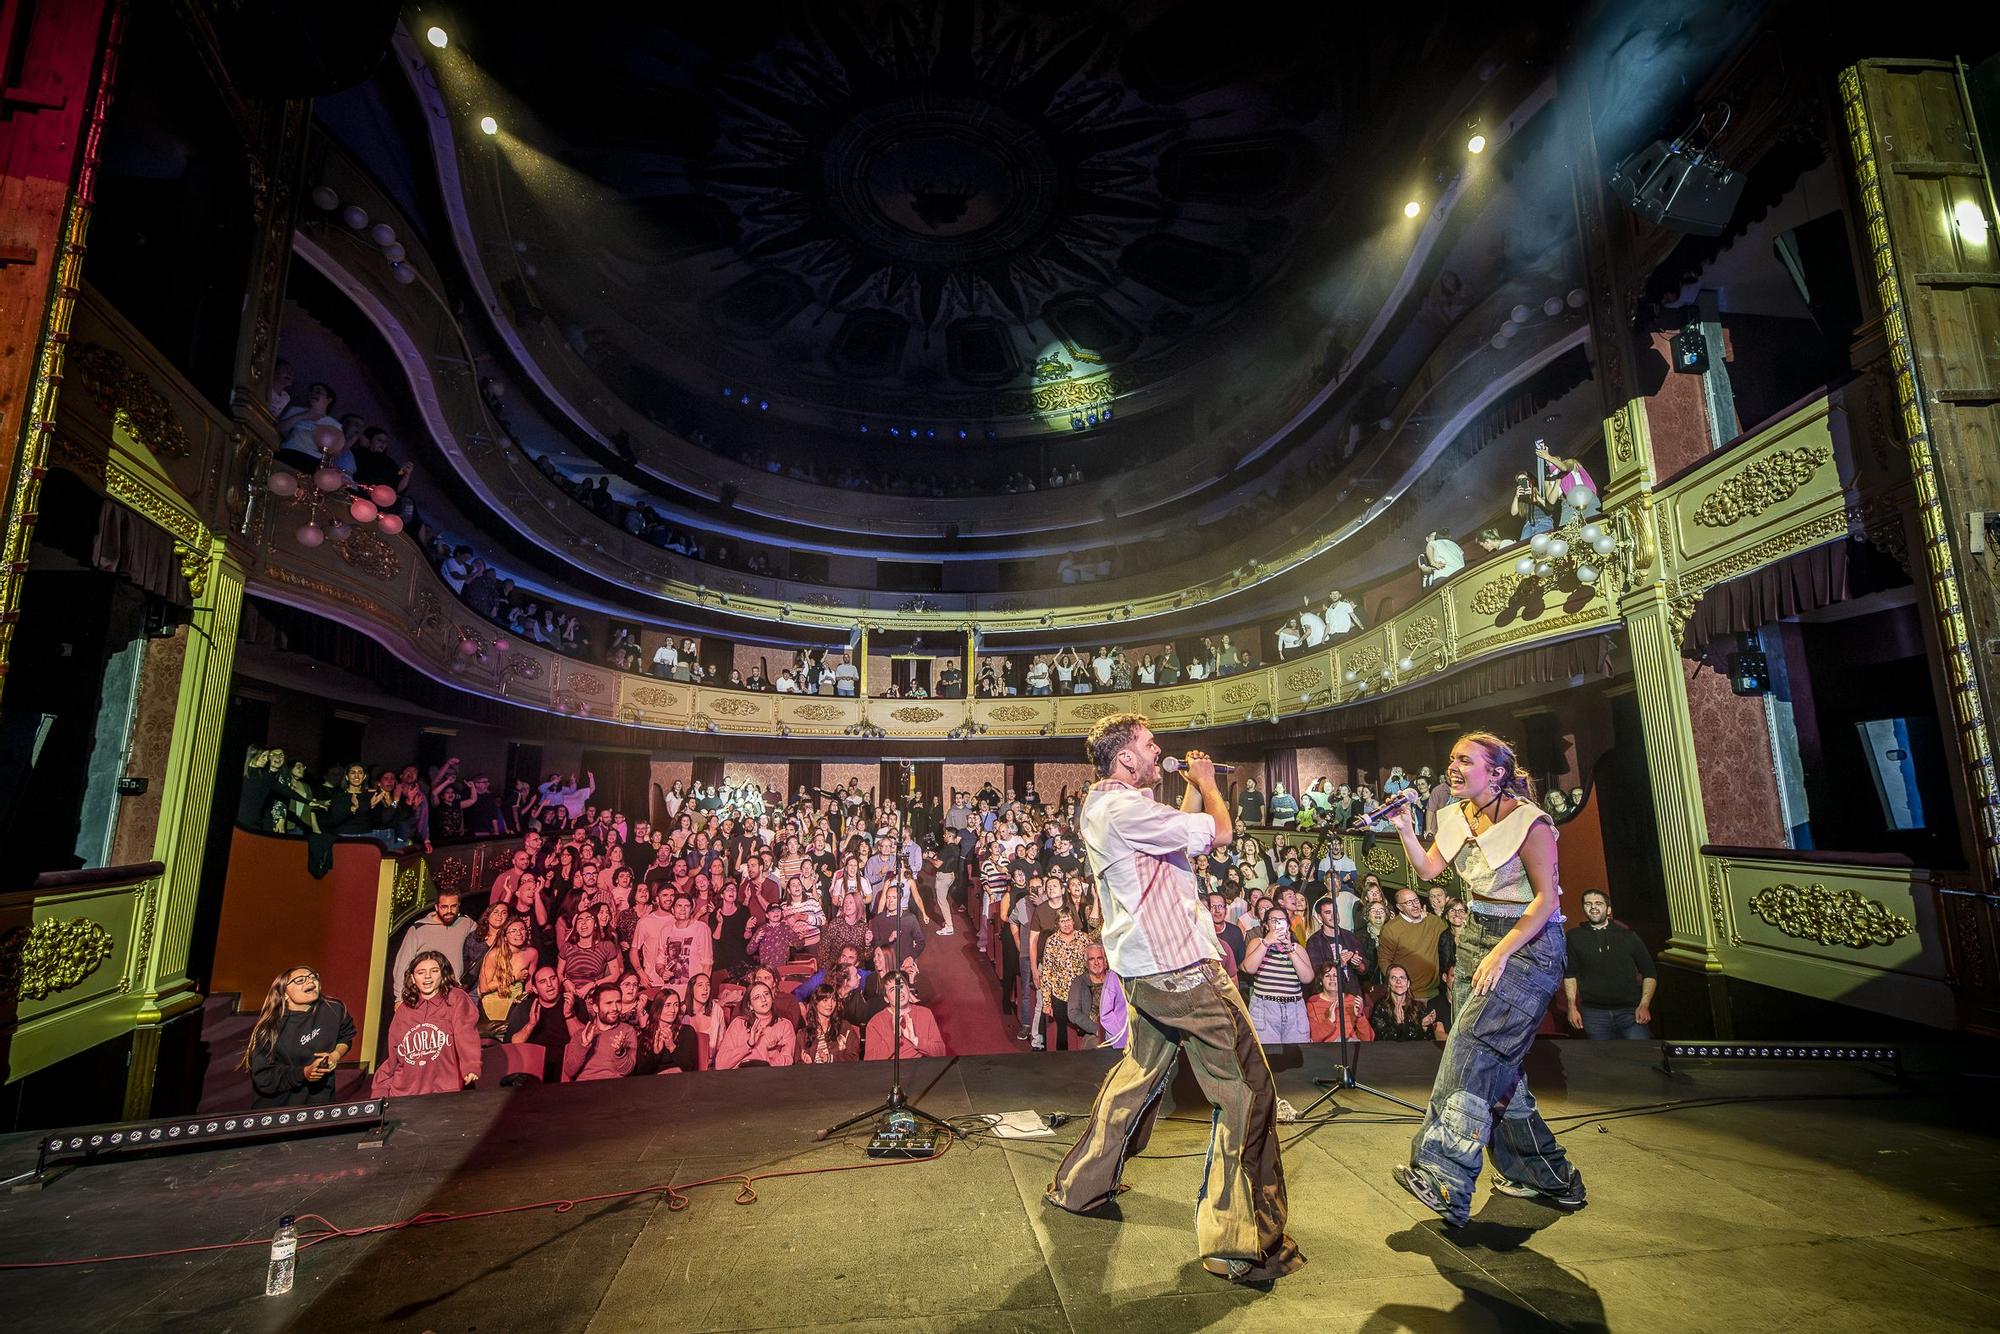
[966, 996]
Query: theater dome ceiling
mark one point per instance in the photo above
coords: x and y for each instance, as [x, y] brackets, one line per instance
[964, 214]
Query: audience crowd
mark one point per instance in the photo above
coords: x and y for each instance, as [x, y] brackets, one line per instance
[748, 930]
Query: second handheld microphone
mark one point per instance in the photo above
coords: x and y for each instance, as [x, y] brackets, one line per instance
[1173, 764]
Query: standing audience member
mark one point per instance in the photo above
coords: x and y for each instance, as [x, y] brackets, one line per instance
[1410, 942]
[1609, 975]
[434, 1036]
[296, 1043]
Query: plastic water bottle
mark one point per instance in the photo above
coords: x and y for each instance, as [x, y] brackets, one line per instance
[284, 1253]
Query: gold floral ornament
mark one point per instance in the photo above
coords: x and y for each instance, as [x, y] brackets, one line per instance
[129, 397]
[817, 713]
[1381, 861]
[917, 715]
[365, 550]
[583, 683]
[1241, 693]
[1829, 916]
[1085, 713]
[1306, 678]
[1015, 713]
[50, 957]
[1422, 633]
[1768, 481]
[1171, 703]
[1492, 598]
[733, 708]
[451, 873]
[653, 697]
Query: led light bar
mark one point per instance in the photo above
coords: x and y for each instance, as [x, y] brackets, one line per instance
[86, 1143]
[1782, 1051]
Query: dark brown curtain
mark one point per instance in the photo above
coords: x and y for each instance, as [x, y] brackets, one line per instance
[1811, 579]
[801, 773]
[889, 786]
[624, 781]
[1281, 766]
[930, 780]
[708, 770]
[128, 546]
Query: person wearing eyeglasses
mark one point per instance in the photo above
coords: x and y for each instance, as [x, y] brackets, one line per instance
[296, 1043]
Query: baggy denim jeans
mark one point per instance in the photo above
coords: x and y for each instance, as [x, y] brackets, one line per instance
[1480, 1102]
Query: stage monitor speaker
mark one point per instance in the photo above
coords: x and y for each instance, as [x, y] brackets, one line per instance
[1667, 184]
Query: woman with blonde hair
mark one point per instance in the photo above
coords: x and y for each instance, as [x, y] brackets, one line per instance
[1510, 962]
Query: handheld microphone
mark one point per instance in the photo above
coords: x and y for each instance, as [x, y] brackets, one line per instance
[1406, 797]
[1173, 764]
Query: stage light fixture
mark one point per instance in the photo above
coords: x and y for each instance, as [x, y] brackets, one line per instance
[1411, 209]
[62, 1149]
[1691, 350]
[1476, 144]
[489, 125]
[437, 37]
[1674, 184]
[1785, 1051]
[1971, 220]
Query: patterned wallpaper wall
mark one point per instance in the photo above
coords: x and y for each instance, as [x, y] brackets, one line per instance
[1739, 788]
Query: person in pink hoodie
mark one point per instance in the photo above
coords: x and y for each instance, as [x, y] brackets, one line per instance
[434, 1037]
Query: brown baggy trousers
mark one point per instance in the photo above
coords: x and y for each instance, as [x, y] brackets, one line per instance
[1240, 1213]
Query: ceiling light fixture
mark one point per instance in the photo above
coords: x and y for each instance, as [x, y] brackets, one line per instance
[1476, 144]
[1411, 209]
[489, 125]
[437, 37]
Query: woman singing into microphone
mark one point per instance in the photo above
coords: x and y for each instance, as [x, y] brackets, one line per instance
[1510, 962]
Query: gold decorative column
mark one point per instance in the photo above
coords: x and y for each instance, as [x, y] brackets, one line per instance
[160, 980]
[1654, 631]
[861, 690]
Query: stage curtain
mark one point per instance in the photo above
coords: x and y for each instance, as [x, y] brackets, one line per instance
[1809, 580]
[707, 770]
[801, 773]
[624, 781]
[1282, 766]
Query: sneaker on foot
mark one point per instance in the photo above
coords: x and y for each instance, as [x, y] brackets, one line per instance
[1419, 1185]
[1037, 1043]
[1023, 1035]
[944, 931]
[1287, 1112]
[1223, 1266]
[1569, 1196]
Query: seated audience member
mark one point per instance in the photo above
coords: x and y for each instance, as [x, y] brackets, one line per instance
[442, 929]
[757, 1036]
[433, 1036]
[825, 1033]
[1399, 1016]
[588, 956]
[917, 1034]
[1097, 1002]
[669, 1042]
[296, 1043]
[1324, 1019]
[607, 1047]
[1410, 940]
[703, 1013]
[542, 1018]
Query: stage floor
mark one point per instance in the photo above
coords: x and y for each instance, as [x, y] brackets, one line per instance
[1836, 1201]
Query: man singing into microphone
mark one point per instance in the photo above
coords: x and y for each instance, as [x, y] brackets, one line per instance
[1161, 944]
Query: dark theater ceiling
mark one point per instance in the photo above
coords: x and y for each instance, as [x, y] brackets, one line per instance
[954, 212]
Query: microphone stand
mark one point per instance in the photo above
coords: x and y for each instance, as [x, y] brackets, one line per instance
[897, 1100]
[1344, 1068]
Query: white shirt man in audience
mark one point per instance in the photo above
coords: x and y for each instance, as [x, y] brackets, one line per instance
[1342, 616]
[1442, 559]
[846, 677]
